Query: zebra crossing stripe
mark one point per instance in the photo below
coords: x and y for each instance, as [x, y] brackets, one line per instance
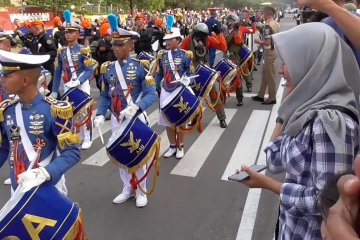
[248, 218]
[199, 151]
[248, 145]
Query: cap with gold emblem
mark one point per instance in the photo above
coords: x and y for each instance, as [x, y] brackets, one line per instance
[69, 24]
[119, 35]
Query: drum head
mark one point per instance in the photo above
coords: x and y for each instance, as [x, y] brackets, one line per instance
[169, 98]
[118, 132]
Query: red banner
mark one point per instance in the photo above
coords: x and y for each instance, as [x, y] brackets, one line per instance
[8, 15]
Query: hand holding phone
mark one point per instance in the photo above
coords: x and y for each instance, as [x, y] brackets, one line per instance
[238, 177]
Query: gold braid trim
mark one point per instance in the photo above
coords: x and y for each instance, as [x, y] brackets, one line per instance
[188, 53]
[77, 229]
[59, 50]
[85, 50]
[104, 67]
[5, 104]
[62, 112]
[90, 62]
[68, 139]
[145, 63]
[150, 80]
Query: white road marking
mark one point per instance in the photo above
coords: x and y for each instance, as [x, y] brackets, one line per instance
[248, 145]
[248, 218]
[199, 151]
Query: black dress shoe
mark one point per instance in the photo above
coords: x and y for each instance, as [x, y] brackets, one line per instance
[258, 99]
[223, 124]
[269, 102]
[240, 103]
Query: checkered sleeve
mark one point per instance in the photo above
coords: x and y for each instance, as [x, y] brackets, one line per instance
[310, 170]
[273, 155]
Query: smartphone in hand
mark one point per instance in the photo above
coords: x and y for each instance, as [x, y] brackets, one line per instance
[238, 177]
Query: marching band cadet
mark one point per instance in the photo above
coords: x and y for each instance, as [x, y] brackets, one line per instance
[235, 39]
[174, 64]
[126, 93]
[199, 43]
[33, 127]
[76, 67]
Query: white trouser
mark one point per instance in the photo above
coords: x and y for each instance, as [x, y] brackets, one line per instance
[85, 133]
[124, 174]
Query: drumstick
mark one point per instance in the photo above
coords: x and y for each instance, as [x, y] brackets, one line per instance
[101, 136]
[195, 76]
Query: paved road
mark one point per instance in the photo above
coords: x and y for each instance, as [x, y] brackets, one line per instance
[193, 200]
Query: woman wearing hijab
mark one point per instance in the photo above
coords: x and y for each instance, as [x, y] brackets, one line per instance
[316, 135]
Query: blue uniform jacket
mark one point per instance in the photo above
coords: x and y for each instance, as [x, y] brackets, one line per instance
[40, 126]
[112, 95]
[183, 65]
[82, 61]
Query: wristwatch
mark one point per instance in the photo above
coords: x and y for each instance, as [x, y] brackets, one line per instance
[279, 120]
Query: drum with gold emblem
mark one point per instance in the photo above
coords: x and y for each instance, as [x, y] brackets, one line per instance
[41, 213]
[82, 105]
[205, 80]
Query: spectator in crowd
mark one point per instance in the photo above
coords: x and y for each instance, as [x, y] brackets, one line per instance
[345, 20]
[316, 135]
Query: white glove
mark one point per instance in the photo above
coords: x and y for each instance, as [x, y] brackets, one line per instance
[32, 178]
[185, 80]
[99, 121]
[73, 83]
[129, 111]
[54, 95]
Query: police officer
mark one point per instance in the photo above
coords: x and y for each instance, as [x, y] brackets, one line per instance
[199, 43]
[268, 70]
[102, 49]
[41, 43]
[59, 33]
[29, 124]
[130, 73]
[76, 67]
[146, 35]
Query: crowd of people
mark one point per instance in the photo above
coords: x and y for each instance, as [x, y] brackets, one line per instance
[173, 58]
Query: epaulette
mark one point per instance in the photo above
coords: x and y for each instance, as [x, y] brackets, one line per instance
[149, 79]
[89, 61]
[104, 67]
[144, 63]
[4, 105]
[85, 50]
[161, 54]
[61, 109]
[188, 53]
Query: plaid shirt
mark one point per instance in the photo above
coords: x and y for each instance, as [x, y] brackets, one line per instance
[307, 169]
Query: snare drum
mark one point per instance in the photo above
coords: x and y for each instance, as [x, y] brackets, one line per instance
[41, 213]
[180, 106]
[228, 72]
[132, 144]
[82, 105]
[145, 56]
[245, 55]
[204, 82]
